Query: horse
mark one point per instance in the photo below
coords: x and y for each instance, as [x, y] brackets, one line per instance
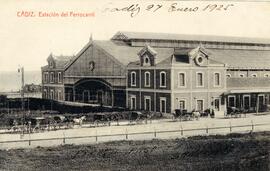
[196, 114]
[79, 121]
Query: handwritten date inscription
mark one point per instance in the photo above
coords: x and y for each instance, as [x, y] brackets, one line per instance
[135, 9]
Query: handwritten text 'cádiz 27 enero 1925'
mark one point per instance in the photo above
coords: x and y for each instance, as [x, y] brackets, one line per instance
[135, 9]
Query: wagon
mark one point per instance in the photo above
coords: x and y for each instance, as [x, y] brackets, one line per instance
[233, 111]
[184, 115]
[36, 124]
[101, 119]
[137, 117]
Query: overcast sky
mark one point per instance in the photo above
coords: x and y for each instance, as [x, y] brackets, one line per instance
[27, 41]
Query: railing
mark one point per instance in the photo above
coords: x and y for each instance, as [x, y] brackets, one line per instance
[155, 133]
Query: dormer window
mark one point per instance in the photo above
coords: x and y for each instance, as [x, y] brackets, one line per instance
[147, 56]
[146, 61]
[199, 55]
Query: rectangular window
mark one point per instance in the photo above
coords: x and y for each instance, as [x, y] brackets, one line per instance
[59, 77]
[46, 77]
[199, 105]
[147, 103]
[133, 103]
[51, 77]
[182, 104]
[163, 105]
[216, 79]
[181, 80]
[231, 101]
[162, 79]
[147, 79]
[199, 79]
[133, 78]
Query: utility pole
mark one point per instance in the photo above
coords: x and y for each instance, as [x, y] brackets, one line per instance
[22, 86]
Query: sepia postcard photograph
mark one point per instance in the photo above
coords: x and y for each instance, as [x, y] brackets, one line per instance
[134, 85]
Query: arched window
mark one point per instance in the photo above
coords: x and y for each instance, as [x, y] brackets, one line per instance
[133, 78]
[266, 75]
[52, 94]
[59, 95]
[45, 96]
[228, 75]
[254, 75]
[147, 79]
[162, 79]
[146, 61]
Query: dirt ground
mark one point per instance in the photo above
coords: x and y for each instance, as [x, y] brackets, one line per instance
[218, 152]
[156, 125]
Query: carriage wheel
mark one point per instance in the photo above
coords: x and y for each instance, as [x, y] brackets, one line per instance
[96, 122]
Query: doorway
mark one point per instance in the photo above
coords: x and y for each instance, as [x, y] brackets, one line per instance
[261, 102]
[99, 97]
[246, 102]
[85, 96]
[217, 104]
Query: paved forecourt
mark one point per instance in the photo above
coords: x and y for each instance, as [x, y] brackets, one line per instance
[151, 131]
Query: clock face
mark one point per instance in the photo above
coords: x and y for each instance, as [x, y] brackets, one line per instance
[91, 65]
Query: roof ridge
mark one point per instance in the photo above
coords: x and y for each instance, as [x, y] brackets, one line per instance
[202, 37]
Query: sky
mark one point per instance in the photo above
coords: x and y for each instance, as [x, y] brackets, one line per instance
[28, 41]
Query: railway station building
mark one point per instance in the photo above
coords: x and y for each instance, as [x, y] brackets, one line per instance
[164, 72]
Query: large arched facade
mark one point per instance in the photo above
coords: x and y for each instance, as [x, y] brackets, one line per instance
[92, 91]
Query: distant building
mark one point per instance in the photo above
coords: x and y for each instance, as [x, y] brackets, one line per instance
[32, 88]
[164, 72]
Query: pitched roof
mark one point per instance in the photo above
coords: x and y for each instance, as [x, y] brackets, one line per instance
[186, 37]
[247, 59]
[192, 52]
[61, 61]
[126, 54]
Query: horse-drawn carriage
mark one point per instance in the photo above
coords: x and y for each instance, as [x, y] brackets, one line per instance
[138, 117]
[101, 119]
[236, 112]
[37, 124]
[29, 124]
[184, 115]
